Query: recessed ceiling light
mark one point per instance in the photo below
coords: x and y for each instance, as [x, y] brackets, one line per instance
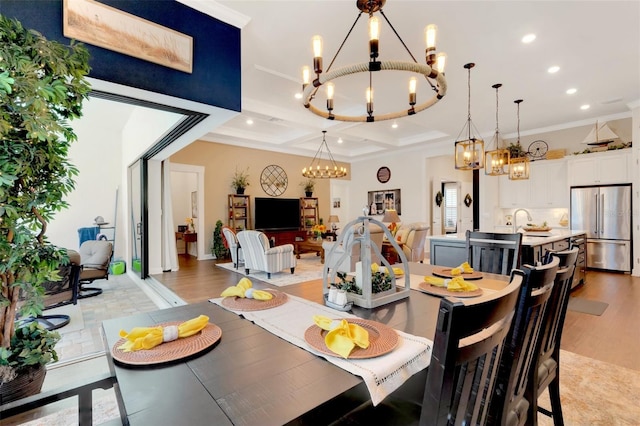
[528, 38]
[554, 69]
[571, 91]
[394, 125]
[339, 140]
[249, 121]
[298, 95]
[586, 106]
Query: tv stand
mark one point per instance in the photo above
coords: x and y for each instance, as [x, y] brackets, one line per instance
[285, 236]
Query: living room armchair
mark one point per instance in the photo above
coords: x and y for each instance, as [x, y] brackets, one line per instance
[348, 264]
[412, 240]
[234, 247]
[258, 255]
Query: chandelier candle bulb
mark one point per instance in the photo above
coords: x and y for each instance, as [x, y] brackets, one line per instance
[374, 37]
[441, 60]
[330, 93]
[430, 36]
[412, 90]
[317, 53]
[305, 76]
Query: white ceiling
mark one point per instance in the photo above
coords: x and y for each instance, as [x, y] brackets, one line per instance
[596, 44]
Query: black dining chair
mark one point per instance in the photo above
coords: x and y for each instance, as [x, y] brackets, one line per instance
[546, 370]
[467, 346]
[509, 407]
[493, 252]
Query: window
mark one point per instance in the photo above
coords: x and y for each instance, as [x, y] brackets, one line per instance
[450, 207]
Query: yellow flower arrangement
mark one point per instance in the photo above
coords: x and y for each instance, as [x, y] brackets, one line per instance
[190, 225]
[318, 230]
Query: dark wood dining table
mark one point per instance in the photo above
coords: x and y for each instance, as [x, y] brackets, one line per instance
[251, 376]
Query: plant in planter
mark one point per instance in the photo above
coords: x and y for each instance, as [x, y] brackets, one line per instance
[219, 249]
[380, 282]
[308, 185]
[516, 150]
[240, 181]
[42, 86]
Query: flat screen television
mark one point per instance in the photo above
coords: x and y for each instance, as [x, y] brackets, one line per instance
[277, 213]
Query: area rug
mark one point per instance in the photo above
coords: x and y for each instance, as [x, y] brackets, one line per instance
[308, 268]
[586, 306]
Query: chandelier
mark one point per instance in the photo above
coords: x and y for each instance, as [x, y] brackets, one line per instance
[519, 166]
[433, 71]
[496, 161]
[469, 152]
[329, 170]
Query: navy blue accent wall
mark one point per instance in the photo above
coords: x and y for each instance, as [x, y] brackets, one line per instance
[215, 79]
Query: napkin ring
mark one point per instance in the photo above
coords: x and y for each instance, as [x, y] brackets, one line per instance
[169, 333]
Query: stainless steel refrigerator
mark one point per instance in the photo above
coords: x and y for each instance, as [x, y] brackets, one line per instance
[604, 212]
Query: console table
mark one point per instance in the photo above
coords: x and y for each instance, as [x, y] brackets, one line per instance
[188, 237]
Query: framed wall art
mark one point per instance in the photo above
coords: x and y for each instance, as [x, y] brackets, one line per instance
[379, 201]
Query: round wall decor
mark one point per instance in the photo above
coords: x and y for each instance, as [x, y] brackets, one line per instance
[274, 180]
[384, 174]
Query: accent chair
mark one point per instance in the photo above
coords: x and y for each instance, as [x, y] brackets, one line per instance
[258, 255]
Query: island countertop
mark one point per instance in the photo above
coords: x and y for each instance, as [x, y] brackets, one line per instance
[528, 238]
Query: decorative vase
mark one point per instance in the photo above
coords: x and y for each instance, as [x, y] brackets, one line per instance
[27, 383]
[240, 191]
[308, 194]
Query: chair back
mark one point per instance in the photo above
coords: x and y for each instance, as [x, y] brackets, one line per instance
[254, 245]
[509, 406]
[232, 244]
[64, 291]
[494, 253]
[467, 346]
[96, 254]
[416, 239]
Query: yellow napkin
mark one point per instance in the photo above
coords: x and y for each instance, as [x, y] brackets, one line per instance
[454, 284]
[377, 268]
[244, 288]
[342, 336]
[150, 337]
[464, 268]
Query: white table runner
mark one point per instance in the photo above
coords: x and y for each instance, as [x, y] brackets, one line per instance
[382, 375]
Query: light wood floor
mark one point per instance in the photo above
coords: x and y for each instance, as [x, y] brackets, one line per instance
[613, 337]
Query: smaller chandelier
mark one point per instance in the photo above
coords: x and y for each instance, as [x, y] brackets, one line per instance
[469, 152]
[330, 170]
[497, 161]
[519, 167]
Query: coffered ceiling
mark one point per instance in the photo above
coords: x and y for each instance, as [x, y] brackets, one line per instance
[596, 44]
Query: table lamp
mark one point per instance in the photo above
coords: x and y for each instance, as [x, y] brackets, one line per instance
[391, 216]
[333, 219]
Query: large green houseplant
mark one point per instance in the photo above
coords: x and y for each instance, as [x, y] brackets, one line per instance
[42, 86]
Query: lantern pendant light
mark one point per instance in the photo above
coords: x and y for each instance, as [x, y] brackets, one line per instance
[469, 152]
[497, 161]
[519, 167]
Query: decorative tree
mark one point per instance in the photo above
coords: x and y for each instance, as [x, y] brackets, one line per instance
[219, 248]
[42, 85]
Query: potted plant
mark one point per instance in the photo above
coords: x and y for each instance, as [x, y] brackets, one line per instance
[308, 185]
[219, 248]
[42, 87]
[240, 181]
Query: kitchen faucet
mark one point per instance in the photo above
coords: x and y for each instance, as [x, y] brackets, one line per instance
[515, 218]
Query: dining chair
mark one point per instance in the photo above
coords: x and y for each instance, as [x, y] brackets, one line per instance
[546, 370]
[509, 407]
[468, 342]
[492, 252]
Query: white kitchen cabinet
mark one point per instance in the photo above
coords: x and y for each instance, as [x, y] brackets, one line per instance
[600, 168]
[548, 187]
[513, 193]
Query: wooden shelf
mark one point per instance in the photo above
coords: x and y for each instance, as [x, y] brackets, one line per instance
[308, 212]
[239, 212]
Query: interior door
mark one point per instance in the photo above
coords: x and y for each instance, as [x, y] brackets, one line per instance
[436, 211]
[465, 221]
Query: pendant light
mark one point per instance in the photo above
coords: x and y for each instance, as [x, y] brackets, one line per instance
[519, 166]
[469, 152]
[497, 161]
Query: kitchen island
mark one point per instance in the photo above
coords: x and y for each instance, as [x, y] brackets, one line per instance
[451, 249]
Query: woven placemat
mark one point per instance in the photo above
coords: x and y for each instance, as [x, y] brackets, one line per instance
[440, 291]
[243, 304]
[170, 351]
[443, 272]
[382, 339]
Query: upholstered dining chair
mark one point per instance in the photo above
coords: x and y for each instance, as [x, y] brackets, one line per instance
[96, 256]
[495, 253]
[509, 407]
[470, 334]
[546, 370]
[233, 245]
[258, 255]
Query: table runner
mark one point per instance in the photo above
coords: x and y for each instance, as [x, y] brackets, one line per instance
[382, 375]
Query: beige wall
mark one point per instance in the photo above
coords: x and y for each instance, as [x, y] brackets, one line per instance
[220, 162]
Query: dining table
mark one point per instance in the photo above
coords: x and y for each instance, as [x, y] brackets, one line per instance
[251, 376]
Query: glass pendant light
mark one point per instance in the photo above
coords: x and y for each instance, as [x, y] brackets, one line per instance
[469, 152]
[497, 161]
[519, 166]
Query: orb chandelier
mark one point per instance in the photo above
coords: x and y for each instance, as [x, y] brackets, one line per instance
[330, 169]
[469, 152]
[496, 161]
[433, 71]
[519, 166]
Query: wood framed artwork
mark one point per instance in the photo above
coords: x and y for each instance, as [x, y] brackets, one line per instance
[194, 204]
[379, 201]
[383, 174]
[113, 29]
